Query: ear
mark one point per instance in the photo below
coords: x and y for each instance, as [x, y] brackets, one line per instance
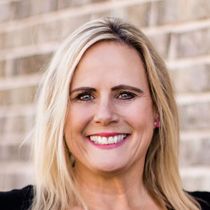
[156, 120]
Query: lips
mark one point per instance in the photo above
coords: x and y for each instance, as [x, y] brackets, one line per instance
[107, 140]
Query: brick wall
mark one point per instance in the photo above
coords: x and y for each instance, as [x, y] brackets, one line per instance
[30, 30]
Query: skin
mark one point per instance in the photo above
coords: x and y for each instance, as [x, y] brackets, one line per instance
[109, 93]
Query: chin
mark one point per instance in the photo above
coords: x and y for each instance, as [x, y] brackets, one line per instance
[108, 168]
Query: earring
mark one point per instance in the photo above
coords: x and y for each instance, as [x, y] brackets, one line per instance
[157, 123]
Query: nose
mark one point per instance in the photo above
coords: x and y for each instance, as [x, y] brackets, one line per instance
[105, 113]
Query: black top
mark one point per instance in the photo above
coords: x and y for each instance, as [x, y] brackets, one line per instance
[21, 199]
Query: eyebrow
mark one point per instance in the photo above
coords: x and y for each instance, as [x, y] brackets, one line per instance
[89, 89]
[127, 87]
[118, 87]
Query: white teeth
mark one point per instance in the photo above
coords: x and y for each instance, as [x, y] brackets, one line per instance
[104, 140]
[107, 140]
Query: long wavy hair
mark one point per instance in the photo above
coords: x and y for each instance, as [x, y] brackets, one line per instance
[55, 185]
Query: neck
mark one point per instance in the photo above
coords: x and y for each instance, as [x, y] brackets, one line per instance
[120, 190]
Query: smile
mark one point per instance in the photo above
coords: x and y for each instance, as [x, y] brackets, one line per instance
[108, 140]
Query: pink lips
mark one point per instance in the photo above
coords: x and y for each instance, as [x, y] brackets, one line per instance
[107, 146]
[106, 134]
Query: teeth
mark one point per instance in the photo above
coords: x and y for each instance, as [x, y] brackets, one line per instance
[107, 140]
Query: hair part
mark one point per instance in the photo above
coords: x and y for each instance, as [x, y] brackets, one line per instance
[55, 184]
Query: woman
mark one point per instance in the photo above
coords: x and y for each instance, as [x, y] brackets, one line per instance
[106, 133]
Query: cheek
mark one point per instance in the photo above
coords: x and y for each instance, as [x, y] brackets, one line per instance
[140, 115]
[76, 122]
[72, 137]
[77, 117]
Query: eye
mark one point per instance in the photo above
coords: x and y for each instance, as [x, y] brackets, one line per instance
[126, 95]
[85, 96]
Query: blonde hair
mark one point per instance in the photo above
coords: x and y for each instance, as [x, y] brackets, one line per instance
[55, 185]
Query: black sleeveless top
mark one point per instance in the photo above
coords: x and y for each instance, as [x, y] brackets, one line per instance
[21, 199]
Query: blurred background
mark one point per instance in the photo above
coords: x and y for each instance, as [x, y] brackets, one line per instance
[30, 31]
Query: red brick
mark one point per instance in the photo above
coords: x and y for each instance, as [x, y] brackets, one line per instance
[199, 181]
[20, 125]
[17, 96]
[21, 8]
[56, 30]
[198, 9]
[15, 179]
[193, 43]
[17, 38]
[15, 153]
[40, 6]
[161, 43]
[65, 28]
[25, 8]
[195, 116]
[73, 3]
[6, 12]
[175, 11]
[95, 1]
[2, 126]
[195, 79]
[2, 69]
[138, 15]
[2, 40]
[191, 152]
[30, 64]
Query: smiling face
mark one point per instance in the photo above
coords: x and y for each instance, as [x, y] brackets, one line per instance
[110, 118]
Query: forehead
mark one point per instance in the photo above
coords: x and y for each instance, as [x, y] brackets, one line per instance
[111, 60]
[105, 49]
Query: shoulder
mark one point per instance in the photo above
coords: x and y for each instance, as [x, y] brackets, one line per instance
[17, 199]
[203, 198]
